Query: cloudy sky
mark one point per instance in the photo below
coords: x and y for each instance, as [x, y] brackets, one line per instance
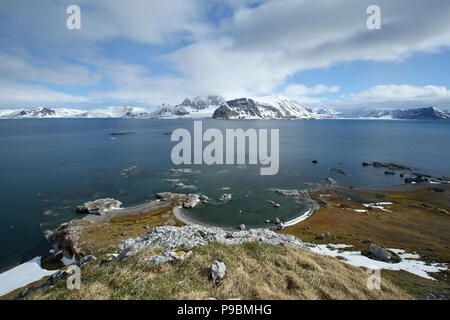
[147, 52]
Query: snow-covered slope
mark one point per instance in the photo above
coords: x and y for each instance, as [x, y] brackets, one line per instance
[198, 107]
[270, 107]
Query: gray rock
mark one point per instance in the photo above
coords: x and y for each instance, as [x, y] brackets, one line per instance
[390, 165]
[331, 181]
[242, 227]
[218, 270]
[377, 253]
[187, 237]
[86, 260]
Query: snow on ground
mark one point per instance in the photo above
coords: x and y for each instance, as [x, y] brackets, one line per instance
[68, 262]
[22, 275]
[409, 262]
[378, 205]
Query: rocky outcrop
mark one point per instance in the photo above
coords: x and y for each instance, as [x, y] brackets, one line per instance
[390, 165]
[99, 207]
[187, 237]
[273, 203]
[180, 199]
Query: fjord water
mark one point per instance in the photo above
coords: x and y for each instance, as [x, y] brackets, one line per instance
[48, 166]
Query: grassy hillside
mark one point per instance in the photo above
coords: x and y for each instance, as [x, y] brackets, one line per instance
[254, 271]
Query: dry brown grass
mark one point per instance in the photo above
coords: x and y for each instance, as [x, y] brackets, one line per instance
[254, 271]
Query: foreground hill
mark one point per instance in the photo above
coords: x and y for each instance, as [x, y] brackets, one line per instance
[254, 271]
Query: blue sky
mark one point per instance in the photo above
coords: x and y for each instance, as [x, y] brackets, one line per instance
[145, 53]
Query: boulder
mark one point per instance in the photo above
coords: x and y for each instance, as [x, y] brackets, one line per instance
[375, 252]
[331, 181]
[218, 270]
[273, 203]
[390, 165]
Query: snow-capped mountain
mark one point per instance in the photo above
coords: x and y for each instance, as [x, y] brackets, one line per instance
[431, 113]
[198, 107]
[270, 107]
[110, 112]
[326, 111]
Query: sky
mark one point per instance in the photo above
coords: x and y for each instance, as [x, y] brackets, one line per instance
[319, 53]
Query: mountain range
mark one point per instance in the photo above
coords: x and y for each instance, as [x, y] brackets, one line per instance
[269, 107]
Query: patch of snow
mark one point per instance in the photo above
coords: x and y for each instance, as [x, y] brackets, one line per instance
[408, 261]
[23, 275]
[67, 261]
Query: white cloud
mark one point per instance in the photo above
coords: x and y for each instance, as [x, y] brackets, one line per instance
[250, 53]
[404, 92]
[15, 67]
[30, 95]
[393, 96]
[299, 89]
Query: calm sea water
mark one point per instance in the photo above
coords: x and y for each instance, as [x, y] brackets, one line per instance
[48, 166]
